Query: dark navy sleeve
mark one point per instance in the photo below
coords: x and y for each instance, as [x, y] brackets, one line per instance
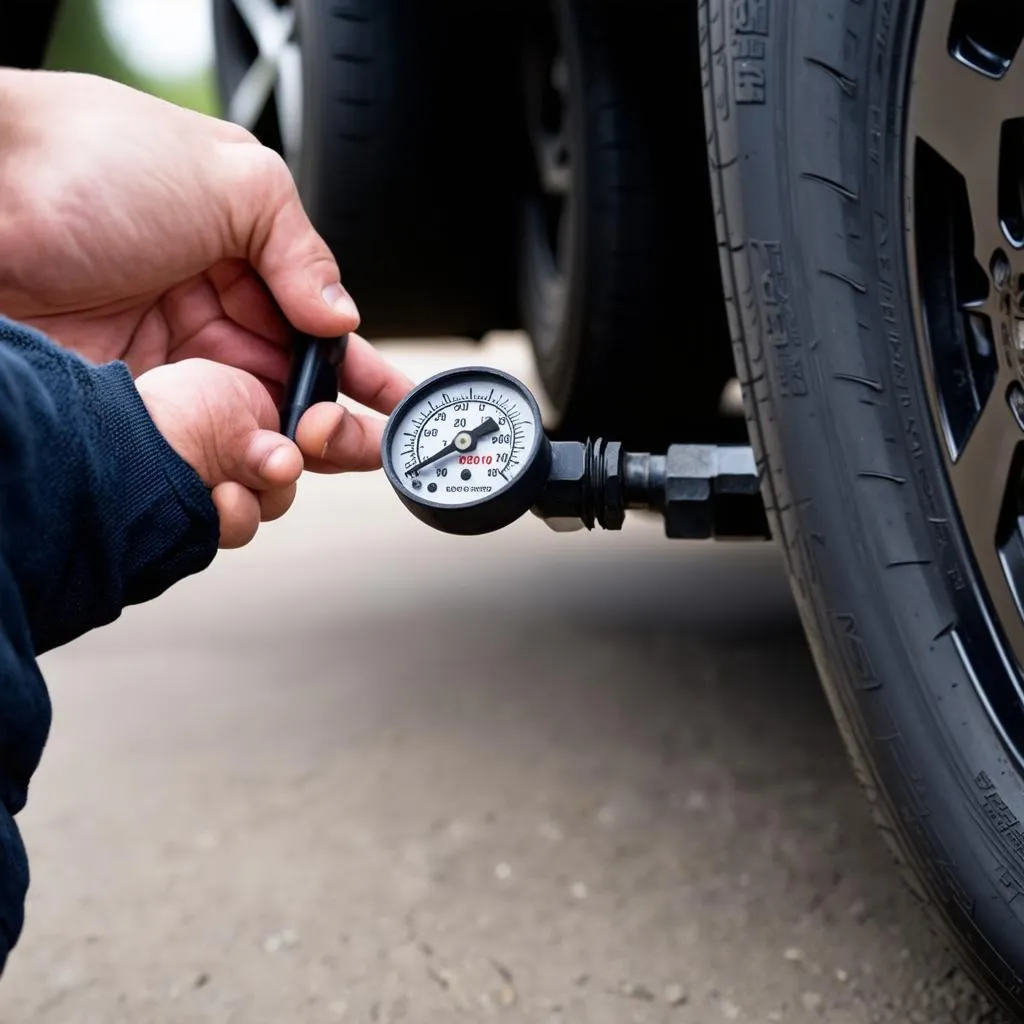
[96, 512]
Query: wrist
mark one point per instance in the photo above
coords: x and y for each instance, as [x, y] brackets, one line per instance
[102, 497]
[168, 423]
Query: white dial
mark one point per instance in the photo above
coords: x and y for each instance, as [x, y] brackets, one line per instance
[464, 441]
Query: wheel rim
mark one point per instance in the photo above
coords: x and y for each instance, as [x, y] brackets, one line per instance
[259, 50]
[965, 200]
[550, 208]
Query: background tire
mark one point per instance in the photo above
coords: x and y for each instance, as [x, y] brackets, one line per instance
[805, 109]
[236, 49]
[28, 26]
[410, 154]
[623, 309]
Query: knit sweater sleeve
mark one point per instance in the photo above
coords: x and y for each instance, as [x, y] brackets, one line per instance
[96, 512]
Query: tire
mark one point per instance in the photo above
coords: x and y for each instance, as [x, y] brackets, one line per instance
[407, 163]
[627, 326]
[28, 25]
[805, 108]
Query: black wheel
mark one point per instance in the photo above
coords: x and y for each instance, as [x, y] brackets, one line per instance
[398, 121]
[624, 314]
[867, 161]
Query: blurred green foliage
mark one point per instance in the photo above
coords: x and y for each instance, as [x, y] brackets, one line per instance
[81, 44]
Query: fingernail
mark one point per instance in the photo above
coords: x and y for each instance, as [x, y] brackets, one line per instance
[276, 461]
[333, 439]
[340, 301]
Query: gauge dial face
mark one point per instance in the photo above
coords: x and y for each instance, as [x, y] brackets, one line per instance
[464, 440]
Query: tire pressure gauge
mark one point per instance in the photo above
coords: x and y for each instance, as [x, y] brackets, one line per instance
[466, 451]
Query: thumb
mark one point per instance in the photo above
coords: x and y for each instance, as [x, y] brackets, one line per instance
[250, 450]
[272, 230]
[221, 421]
[265, 460]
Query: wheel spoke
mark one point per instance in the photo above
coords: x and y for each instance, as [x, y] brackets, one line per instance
[266, 21]
[980, 472]
[983, 199]
[289, 102]
[981, 476]
[959, 112]
[253, 93]
[1004, 605]
[553, 164]
[272, 28]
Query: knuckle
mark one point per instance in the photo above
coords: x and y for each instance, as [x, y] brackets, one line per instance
[271, 171]
[256, 176]
[262, 190]
[236, 133]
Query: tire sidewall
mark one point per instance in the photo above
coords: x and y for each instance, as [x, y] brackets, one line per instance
[854, 477]
[555, 322]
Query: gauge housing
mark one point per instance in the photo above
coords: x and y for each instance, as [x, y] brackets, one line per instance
[490, 512]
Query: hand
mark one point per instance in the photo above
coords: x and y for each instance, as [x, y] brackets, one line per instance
[134, 229]
[222, 422]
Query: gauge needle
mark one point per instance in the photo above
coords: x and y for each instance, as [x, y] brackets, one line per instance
[464, 441]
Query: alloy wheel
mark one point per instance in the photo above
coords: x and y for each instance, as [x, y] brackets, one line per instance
[260, 60]
[965, 203]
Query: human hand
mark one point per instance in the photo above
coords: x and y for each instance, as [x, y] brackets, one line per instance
[223, 423]
[134, 229]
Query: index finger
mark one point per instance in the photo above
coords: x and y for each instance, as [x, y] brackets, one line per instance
[370, 379]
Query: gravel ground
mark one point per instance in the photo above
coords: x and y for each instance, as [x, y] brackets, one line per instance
[363, 772]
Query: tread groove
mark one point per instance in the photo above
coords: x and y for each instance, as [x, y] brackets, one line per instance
[860, 289]
[879, 474]
[853, 378]
[847, 84]
[821, 179]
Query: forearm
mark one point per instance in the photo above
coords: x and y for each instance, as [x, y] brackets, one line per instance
[96, 510]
